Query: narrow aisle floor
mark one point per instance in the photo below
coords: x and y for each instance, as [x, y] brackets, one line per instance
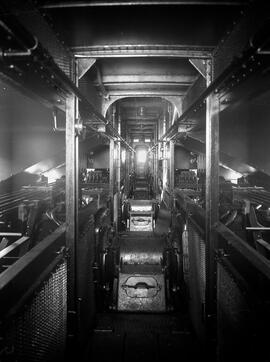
[163, 221]
[145, 337]
[142, 338]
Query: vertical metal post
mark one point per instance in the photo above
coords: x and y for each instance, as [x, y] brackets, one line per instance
[164, 165]
[111, 175]
[164, 162]
[212, 200]
[171, 161]
[76, 219]
[71, 212]
[118, 175]
[154, 169]
[118, 161]
[155, 155]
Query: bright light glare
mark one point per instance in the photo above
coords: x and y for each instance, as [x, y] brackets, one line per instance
[52, 175]
[123, 156]
[141, 208]
[141, 156]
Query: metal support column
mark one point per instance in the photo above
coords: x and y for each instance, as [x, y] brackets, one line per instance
[118, 175]
[156, 153]
[154, 169]
[111, 175]
[71, 217]
[171, 161]
[118, 161]
[212, 201]
[164, 166]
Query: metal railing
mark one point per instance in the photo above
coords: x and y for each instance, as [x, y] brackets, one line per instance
[242, 288]
[33, 294]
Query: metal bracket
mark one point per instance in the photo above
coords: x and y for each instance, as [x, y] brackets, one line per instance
[80, 129]
[55, 125]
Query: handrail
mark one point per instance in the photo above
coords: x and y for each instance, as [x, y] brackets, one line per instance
[251, 254]
[16, 245]
[16, 283]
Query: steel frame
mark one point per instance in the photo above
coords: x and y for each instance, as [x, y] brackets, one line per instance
[67, 85]
[19, 282]
[252, 255]
[143, 50]
[211, 199]
[56, 5]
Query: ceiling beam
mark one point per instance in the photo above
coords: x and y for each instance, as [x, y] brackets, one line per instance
[152, 79]
[83, 4]
[143, 50]
[146, 93]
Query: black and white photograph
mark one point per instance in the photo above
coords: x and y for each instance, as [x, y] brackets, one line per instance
[134, 180]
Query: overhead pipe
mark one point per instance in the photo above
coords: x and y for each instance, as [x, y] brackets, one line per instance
[24, 40]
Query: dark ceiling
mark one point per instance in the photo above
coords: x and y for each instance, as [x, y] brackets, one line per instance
[200, 25]
[97, 25]
[141, 49]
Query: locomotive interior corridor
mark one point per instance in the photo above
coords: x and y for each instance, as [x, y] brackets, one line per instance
[134, 180]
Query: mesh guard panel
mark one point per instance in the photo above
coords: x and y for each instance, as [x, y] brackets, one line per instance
[235, 320]
[196, 250]
[38, 331]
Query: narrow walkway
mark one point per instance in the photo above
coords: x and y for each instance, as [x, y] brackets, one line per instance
[143, 338]
[163, 221]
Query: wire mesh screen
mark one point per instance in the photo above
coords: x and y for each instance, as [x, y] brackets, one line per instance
[196, 250]
[86, 288]
[38, 331]
[238, 326]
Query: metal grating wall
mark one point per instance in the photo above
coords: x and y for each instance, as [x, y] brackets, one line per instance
[38, 331]
[233, 318]
[85, 281]
[196, 250]
[242, 322]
